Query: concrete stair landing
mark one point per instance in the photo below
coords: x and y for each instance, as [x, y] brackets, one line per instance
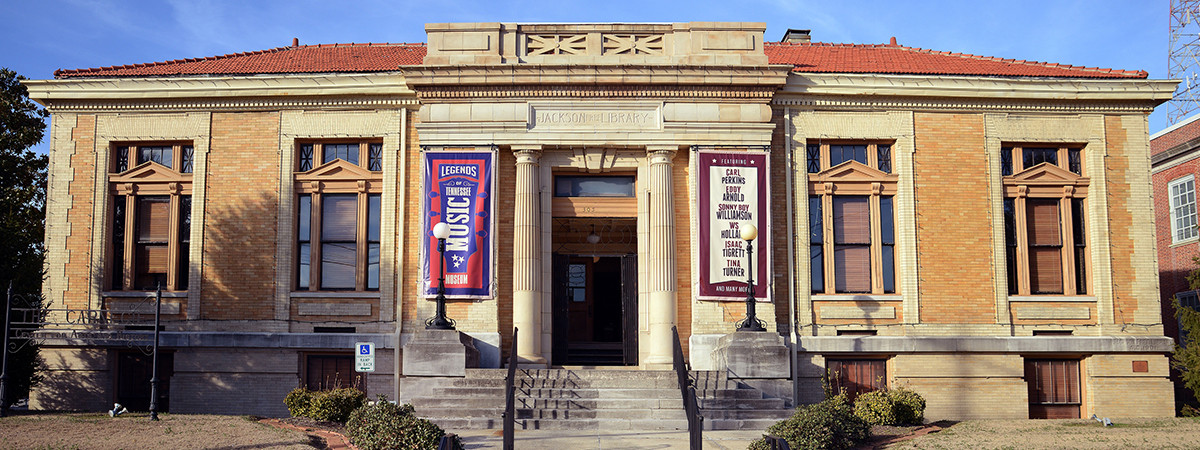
[587, 399]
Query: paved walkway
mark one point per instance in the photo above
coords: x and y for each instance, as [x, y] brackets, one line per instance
[599, 439]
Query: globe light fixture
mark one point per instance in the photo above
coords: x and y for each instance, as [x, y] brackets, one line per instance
[441, 231]
[751, 323]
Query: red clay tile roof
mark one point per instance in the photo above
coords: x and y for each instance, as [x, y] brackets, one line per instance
[805, 57]
[301, 59]
[896, 59]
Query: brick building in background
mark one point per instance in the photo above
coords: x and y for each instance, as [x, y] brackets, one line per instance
[970, 227]
[1175, 163]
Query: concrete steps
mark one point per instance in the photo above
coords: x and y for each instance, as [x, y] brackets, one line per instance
[596, 399]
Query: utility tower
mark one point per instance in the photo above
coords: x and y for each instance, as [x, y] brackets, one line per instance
[1183, 61]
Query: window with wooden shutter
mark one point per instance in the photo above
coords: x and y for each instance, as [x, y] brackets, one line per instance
[325, 372]
[339, 241]
[856, 376]
[852, 232]
[1054, 391]
[339, 209]
[1045, 220]
[150, 217]
[1045, 246]
[852, 244]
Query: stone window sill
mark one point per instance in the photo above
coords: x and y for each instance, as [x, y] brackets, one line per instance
[1052, 298]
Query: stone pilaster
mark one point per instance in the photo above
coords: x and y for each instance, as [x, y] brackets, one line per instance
[527, 257]
[661, 267]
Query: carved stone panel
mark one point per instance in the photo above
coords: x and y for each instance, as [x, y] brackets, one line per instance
[602, 117]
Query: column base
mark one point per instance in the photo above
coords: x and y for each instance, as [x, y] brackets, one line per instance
[532, 362]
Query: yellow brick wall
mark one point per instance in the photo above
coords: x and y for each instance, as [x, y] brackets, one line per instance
[680, 173]
[73, 379]
[964, 386]
[1131, 225]
[80, 197]
[1113, 389]
[954, 224]
[242, 198]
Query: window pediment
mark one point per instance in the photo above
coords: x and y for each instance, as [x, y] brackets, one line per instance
[150, 172]
[850, 171]
[1045, 173]
[338, 169]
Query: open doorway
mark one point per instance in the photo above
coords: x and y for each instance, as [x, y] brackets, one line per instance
[595, 292]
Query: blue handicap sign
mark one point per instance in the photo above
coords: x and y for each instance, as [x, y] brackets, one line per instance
[364, 349]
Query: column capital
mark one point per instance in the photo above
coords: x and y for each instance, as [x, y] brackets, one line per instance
[661, 154]
[527, 153]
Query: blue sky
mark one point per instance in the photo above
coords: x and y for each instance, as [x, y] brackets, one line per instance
[40, 36]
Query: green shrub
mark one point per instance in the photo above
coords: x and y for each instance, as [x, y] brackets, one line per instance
[385, 425]
[910, 406]
[876, 408]
[830, 424]
[890, 407]
[335, 405]
[298, 402]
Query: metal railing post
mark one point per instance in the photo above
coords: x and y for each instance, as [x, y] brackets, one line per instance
[4, 353]
[510, 391]
[691, 406]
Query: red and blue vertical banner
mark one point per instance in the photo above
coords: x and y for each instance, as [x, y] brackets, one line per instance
[733, 191]
[458, 190]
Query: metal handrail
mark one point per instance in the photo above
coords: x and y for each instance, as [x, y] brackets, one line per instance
[510, 391]
[688, 391]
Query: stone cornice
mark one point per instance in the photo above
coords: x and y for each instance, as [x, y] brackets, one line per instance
[422, 78]
[454, 92]
[857, 91]
[374, 90]
[228, 104]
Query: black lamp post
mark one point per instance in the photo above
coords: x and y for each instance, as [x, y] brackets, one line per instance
[440, 322]
[4, 353]
[751, 323]
[154, 359]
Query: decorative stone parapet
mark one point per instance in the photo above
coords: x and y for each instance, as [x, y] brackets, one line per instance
[691, 43]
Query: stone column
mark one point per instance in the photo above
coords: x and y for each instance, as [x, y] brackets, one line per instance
[661, 268]
[527, 257]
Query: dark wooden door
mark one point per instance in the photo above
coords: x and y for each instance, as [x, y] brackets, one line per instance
[133, 380]
[1053, 388]
[560, 303]
[629, 309]
[856, 376]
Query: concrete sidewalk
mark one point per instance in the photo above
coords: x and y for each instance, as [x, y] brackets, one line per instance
[600, 439]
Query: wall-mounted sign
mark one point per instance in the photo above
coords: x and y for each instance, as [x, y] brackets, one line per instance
[458, 189]
[733, 191]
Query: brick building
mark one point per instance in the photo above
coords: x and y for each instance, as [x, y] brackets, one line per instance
[966, 226]
[1175, 163]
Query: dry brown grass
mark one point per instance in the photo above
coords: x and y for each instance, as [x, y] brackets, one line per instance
[1062, 434]
[136, 431]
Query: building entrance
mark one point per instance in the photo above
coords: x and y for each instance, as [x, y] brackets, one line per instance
[595, 298]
